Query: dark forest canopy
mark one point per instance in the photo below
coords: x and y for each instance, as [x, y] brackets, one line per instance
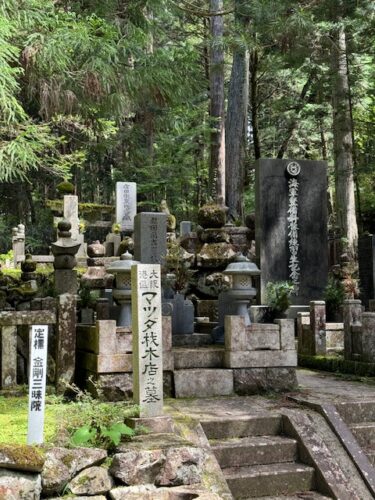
[97, 92]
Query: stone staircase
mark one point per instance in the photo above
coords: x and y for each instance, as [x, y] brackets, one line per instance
[257, 460]
[360, 418]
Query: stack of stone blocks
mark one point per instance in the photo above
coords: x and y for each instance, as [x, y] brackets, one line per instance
[104, 358]
[359, 332]
[316, 337]
[260, 355]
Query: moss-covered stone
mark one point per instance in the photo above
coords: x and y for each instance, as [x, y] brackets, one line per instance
[338, 365]
[21, 457]
[65, 187]
[211, 216]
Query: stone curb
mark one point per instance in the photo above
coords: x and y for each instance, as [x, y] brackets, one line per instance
[344, 434]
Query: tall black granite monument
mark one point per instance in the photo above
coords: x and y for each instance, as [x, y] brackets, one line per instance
[291, 225]
[366, 261]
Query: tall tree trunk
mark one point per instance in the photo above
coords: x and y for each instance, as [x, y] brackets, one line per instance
[298, 108]
[217, 112]
[343, 144]
[236, 124]
[254, 104]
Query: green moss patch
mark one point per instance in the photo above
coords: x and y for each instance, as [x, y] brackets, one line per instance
[337, 365]
[22, 457]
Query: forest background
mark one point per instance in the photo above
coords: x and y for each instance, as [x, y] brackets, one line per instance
[182, 96]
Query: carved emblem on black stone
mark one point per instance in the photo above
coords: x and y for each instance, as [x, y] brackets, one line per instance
[293, 168]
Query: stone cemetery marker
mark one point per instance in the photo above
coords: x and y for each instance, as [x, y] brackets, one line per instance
[71, 214]
[291, 225]
[185, 228]
[126, 205]
[366, 261]
[147, 339]
[150, 237]
[37, 383]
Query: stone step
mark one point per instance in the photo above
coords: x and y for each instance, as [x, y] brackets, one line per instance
[203, 383]
[201, 357]
[194, 339]
[355, 412]
[364, 432]
[254, 450]
[254, 425]
[273, 479]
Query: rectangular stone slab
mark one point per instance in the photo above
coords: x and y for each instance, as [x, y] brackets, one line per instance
[105, 363]
[260, 359]
[203, 383]
[271, 226]
[8, 356]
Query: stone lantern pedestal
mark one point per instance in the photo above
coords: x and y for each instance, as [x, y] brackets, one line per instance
[235, 302]
[122, 290]
[64, 251]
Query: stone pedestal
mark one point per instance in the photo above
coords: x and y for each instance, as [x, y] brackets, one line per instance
[66, 281]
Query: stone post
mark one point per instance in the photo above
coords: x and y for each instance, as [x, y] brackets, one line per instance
[352, 313]
[126, 205]
[147, 339]
[150, 237]
[371, 305]
[368, 337]
[66, 341]
[18, 243]
[304, 333]
[318, 326]
[8, 356]
[64, 251]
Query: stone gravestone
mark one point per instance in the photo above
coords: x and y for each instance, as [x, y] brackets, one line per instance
[150, 237]
[185, 228]
[71, 214]
[37, 383]
[366, 261]
[18, 243]
[291, 225]
[126, 205]
[181, 311]
[147, 339]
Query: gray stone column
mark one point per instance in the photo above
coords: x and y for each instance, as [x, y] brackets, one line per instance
[368, 337]
[352, 312]
[66, 341]
[318, 326]
[8, 356]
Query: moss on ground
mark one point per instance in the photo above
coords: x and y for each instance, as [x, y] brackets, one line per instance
[337, 364]
[13, 420]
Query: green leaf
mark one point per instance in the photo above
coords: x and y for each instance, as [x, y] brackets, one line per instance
[83, 435]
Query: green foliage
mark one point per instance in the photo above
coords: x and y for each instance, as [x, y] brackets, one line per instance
[334, 295]
[278, 296]
[95, 423]
[337, 364]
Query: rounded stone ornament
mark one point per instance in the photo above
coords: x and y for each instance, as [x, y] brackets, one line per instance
[293, 168]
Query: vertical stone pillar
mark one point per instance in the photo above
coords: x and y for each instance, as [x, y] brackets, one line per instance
[150, 237]
[71, 214]
[126, 205]
[371, 305]
[18, 243]
[304, 334]
[8, 356]
[352, 312]
[147, 339]
[368, 337]
[66, 341]
[318, 326]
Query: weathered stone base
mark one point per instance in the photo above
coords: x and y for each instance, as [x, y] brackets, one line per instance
[203, 382]
[119, 386]
[249, 381]
[162, 424]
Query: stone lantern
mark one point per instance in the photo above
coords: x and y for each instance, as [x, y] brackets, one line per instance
[123, 290]
[242, 271]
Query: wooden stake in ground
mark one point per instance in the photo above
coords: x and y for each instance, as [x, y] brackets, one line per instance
[37, 383]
